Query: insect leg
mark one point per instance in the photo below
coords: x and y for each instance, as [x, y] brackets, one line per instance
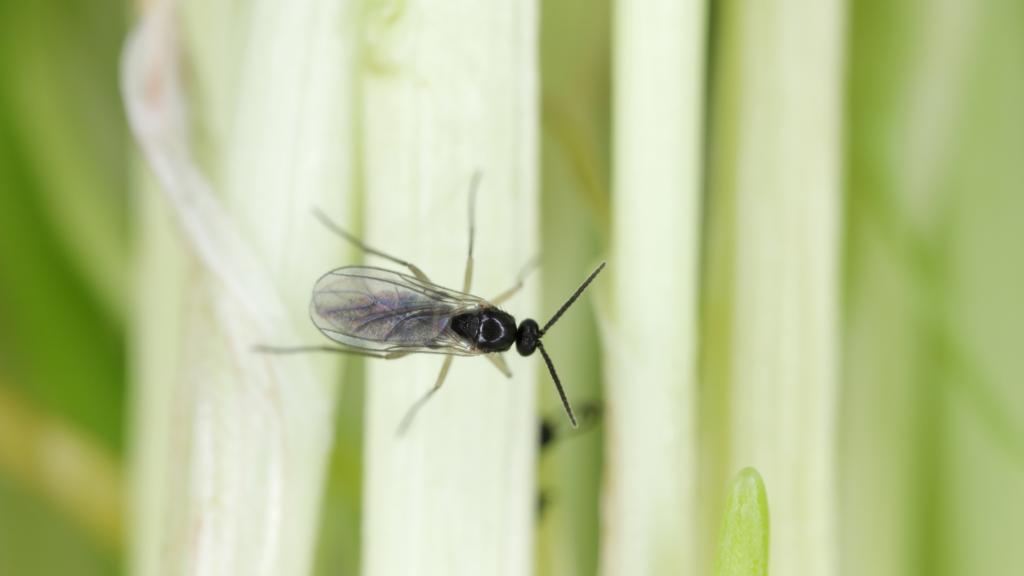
[300, 349]
[467, 279]
[407, 419]
[520, 279]
[499, 362]
[330, 225]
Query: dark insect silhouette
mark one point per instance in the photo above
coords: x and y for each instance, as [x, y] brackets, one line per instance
[553, 432]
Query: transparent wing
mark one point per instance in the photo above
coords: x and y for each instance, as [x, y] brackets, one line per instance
[380, 310]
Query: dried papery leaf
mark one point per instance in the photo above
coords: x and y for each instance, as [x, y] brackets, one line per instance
[231, 444]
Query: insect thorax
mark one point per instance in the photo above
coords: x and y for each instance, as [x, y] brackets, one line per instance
[487, 329]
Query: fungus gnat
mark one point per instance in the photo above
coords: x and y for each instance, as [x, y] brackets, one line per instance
[385, 314]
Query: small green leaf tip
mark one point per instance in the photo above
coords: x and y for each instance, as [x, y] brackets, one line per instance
[743, 543]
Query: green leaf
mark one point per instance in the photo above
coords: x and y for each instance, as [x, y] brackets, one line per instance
[743, 546]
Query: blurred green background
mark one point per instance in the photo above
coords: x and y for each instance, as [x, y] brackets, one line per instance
[65, 248]
[931, 407]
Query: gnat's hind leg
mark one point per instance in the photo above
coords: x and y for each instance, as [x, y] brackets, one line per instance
[407, 420]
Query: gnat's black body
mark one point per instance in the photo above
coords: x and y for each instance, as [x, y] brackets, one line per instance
[494, 330]
[386, 314]
[488, 329]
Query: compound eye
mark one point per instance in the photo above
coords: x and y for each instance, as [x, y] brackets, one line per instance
[491, 330]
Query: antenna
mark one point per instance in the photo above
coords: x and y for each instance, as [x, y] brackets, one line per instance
[544, 353]
[570, 301]
[558, 384]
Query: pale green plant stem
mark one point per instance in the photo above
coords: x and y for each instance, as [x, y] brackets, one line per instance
[451, 88]
[782, 176]
[230, 445]
[650, 330]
